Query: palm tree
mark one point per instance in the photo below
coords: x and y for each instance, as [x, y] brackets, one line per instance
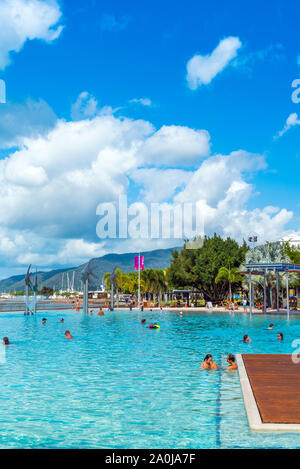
[148, 277]
[228, 276]
[107, 281]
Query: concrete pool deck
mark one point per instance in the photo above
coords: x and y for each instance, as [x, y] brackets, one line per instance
[271, 390]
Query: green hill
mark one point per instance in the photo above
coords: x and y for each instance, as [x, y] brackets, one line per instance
[59, 278]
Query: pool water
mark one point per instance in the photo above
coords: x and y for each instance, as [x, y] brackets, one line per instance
[121, 385]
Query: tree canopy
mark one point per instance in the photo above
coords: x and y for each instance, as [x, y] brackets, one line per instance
[198, 268]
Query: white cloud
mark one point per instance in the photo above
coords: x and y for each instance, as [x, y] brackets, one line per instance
[216, 175]
[24, 20]
[291, 121]
[202, 69]
[154, 185]
[176, 145]
[85, 106]
[143, 101]
[50, 187]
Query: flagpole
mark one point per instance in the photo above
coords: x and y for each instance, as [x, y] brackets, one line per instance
[139, 294]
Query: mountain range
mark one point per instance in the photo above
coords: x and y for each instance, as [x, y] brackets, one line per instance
[62, 279]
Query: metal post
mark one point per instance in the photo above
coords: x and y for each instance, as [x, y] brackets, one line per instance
[112, 295]
[277, 290]
[139, 292]
[265, 293]
[26, 298]
[86, 296]
[250, 293]
[34, 303]
[287, 294]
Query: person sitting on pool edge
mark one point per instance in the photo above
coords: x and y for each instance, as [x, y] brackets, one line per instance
[232, 362]
[68, 335]
[280, 336]
[208, 363]
[246, 339]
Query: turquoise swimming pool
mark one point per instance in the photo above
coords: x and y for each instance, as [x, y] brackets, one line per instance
[121, 385]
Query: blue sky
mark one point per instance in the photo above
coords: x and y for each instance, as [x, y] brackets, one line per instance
[112, 64]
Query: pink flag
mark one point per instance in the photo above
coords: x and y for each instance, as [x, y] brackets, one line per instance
[142, 262]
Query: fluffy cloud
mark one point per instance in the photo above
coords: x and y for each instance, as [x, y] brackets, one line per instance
[154, 185]
[216, 174]
[202, 69]
[85, 106]
[52, 182]
[176, 146]
[23, 20]
[51, 186]
[291, 121]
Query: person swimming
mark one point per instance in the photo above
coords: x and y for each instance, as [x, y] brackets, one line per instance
[232, 362]
[153, 326]
[143, 321]
[62, 320]
[68, 335]
[6, 341]
[100, 312]
[208, 363]
[271, 326]
[280, 336]
[246, 339]
[44, 320]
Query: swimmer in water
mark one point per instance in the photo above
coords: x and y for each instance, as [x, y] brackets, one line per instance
[6, 341]
[68, 335]
[246, 339]
[44, 320]
[271, 326]
[280, 336]
[153, 326]
[100, 312]
[231, 361]
[180, 314]
[143, 321]
[91, 312]
[208, 363]
[62, 320]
